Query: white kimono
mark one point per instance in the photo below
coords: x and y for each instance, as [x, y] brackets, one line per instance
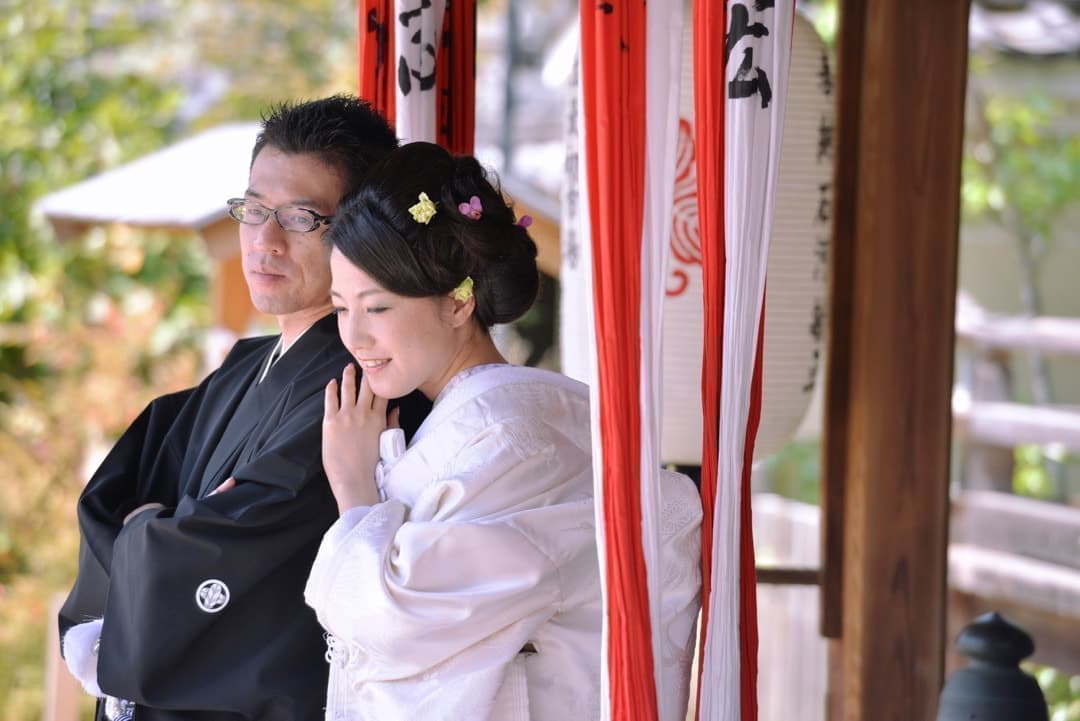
[472, 591]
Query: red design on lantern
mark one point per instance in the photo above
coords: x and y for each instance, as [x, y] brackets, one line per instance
[685, 240]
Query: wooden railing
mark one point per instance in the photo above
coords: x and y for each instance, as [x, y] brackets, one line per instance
[1020, 557]
[985, 415]
[1008, 553]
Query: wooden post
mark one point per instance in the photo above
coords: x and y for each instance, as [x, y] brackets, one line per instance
[901, 80]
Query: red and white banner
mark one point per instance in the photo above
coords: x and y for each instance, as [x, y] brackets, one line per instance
[740, 93]
[417, 61]
[637, 175]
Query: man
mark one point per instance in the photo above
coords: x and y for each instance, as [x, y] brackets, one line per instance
[199, 529]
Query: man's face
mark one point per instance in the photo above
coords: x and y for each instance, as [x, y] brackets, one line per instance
[289, 272]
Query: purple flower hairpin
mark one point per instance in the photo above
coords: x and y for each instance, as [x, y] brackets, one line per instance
[472, 209]
[525, 221]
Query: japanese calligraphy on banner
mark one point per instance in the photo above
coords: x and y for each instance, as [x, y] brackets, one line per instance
[417, 34]
[719, 253]
[795, 298]
[408, 59]
[797, 257]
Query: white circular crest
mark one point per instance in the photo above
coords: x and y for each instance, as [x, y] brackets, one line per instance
[212, 595]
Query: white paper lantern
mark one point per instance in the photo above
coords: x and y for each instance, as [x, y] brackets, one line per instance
[796, 294]
[795, 297]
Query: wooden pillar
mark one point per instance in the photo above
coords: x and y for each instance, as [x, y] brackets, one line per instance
[902, 67]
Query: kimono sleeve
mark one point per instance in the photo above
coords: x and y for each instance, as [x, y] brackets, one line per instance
[194, 589]
[410, 593]
[145, 453]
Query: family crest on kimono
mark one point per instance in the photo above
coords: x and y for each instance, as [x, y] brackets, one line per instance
[201, 525]
[462, 578]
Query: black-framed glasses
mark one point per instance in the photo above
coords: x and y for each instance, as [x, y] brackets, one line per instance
[297, 220]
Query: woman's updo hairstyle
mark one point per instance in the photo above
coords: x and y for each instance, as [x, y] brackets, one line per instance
[374, 230]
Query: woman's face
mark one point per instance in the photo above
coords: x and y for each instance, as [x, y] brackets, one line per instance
[402, 344]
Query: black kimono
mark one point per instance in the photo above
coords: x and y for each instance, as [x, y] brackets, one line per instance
[204, 614]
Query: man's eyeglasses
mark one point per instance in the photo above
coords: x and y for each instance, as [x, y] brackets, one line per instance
[297, 220]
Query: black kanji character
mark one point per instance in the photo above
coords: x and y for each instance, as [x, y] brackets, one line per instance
[744, 87]
[740, 28]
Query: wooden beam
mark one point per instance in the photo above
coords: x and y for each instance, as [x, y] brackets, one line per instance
[787, 576]
[1020, 526]
[1022, 581]
[1008, 425]
[1043, 334]
[902, 75]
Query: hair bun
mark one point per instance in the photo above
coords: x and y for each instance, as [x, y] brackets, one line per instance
[377, 233]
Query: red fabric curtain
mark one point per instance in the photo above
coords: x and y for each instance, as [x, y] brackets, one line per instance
[375, 45]
[748, 629]
[613, 81]
[457, 85]
[710, 85]
[455, 75]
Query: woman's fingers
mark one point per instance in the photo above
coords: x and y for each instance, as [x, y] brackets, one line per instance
[369, 401]
[356, 398]
[394, 419]
[366, 395]
[348, 386]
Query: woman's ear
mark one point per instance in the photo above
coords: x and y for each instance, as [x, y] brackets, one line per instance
[458, 312]
[463, 302]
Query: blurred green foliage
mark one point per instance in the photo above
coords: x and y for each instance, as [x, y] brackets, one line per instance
[69, 109]
[1030, 476]
[795, 471]
[1062, 691]
[1019, 169]
[67, 113]
[93, 326]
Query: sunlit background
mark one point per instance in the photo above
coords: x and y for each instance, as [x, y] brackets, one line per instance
[97, 320]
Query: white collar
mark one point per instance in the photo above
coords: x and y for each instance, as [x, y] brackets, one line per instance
[280, 350]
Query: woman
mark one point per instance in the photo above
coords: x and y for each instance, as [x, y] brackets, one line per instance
[462, 580]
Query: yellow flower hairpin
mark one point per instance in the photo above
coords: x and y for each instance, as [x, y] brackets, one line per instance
[423, 211]
[463, 291]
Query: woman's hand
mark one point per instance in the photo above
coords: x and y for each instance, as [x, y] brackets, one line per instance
[350, 441]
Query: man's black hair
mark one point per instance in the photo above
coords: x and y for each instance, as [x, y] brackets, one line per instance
[343, 130]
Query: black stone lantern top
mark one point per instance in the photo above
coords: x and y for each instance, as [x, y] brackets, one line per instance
[993, 639]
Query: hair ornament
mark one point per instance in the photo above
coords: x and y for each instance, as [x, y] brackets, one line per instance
[464, 289]
[424, 210]
[525, 221]
[473, 209]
